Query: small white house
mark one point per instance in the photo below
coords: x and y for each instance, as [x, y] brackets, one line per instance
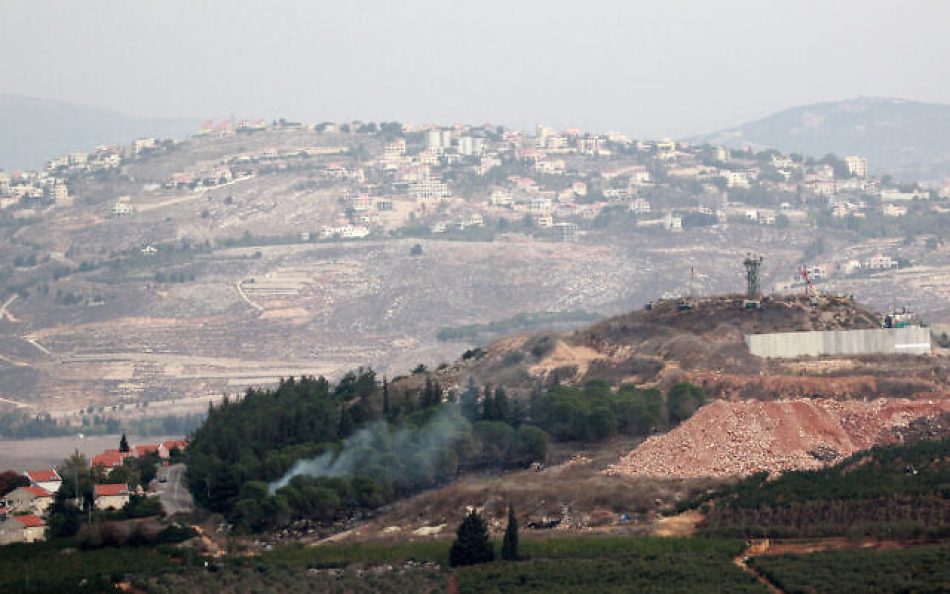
[45, 478]
[28, 499]
[112, 496]
[27, 528]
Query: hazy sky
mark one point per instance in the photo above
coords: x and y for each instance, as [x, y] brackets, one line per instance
[663, 68]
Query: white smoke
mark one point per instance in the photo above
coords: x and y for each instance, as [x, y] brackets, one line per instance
[422, 445]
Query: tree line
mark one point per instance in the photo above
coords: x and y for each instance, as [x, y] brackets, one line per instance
[309, 449]
[596, 412]
[21, 425]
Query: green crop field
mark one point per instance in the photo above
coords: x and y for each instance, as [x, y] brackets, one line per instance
[609, 564]
[917, 569]
[58, 567]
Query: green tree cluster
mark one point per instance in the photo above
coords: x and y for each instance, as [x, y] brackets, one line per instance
[263, 434]
[595, 412]
[359, 444]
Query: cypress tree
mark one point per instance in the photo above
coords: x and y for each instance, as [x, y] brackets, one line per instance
[431, 394]
[509, 547]
[471, 544]
[488, 405]
[124, 444]
[385, 397]
[501, 405]
[469, 401]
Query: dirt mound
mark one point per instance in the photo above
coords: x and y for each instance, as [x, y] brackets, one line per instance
[740, 438]
[565, 355]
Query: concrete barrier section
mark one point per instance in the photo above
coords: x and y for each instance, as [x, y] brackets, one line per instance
[910, 340]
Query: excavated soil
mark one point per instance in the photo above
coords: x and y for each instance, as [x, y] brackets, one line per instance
[740, 438]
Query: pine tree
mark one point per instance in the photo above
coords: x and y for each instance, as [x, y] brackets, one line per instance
[501, 404]
[347, 426]
[424, 397]
[471, 544]
[516, 414]
[509, 547]
[431, 394]
[124, 444]
[488, 405]
[469, 401]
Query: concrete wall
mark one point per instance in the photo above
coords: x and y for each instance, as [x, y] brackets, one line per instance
[910, 340]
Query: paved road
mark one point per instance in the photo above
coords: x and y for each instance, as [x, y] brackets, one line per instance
[174, 496]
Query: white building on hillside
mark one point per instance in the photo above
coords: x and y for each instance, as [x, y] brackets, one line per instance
[857, 166]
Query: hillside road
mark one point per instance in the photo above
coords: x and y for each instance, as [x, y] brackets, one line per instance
[174, 495]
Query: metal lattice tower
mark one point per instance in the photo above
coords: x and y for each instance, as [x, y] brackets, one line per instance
[752, 264]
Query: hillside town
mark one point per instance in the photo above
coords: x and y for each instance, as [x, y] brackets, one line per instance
[296, 248]
[469, 182]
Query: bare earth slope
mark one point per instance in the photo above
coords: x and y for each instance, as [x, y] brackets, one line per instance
[740, 438]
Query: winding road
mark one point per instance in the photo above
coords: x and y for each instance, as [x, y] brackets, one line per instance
[174, 495]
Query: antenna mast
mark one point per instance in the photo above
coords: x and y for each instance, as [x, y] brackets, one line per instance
[752, 263]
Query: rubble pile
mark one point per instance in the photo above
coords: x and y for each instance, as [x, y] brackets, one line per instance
[740, 438]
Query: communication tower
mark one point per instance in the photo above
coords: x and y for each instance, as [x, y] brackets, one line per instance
[752, 264]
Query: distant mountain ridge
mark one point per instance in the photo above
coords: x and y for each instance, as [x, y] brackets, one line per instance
[34, 130]
[907, 139]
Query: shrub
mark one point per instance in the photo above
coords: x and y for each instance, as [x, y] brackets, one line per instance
[471, 545]
[683, 400]
[512, 358]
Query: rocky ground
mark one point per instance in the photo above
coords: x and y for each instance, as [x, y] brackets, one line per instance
[741, 438]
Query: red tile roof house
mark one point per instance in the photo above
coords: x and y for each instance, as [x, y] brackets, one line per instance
[28, 499]
[28, 528]
[112, 496]
[181, 444]
[109, 459]
[46, 478]
[165, 449]
[144, 450]
[170, 444]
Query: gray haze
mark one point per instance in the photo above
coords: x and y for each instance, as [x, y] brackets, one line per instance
[647, 68]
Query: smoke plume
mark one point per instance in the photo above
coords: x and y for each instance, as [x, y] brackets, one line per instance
[421, 445]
